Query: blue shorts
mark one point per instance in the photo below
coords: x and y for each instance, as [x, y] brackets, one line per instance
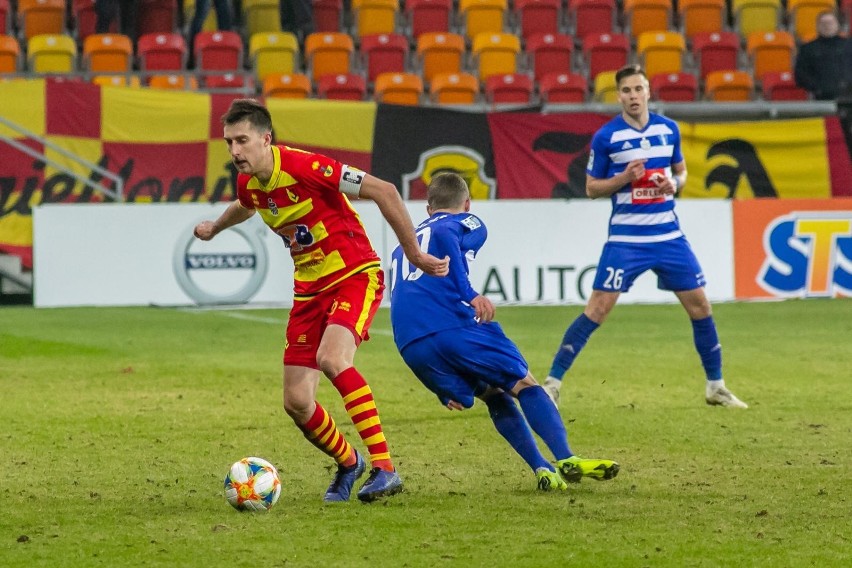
[672, 261]
[459, 364]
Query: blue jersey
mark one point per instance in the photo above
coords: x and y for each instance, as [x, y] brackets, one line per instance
[421, 304]
[640, 212]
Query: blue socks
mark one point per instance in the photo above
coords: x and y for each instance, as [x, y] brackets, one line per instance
[544, 419]
[573, 341]
[512, 426]
[708, 347]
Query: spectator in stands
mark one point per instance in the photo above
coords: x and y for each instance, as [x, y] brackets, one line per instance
[297, 16]
[202, 8]
[128, 12]
[820, 66]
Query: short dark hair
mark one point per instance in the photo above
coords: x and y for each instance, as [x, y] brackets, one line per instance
[628, 71]
[248, 109]
[447, 191]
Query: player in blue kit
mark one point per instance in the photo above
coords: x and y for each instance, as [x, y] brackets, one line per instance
[445, 333]
[636, 161]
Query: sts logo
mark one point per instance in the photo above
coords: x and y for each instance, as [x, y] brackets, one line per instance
[808, 254]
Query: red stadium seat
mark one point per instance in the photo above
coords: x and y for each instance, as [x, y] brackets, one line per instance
[157, 17]
[218, 51]
[592, 17]
[511, 88]
[428, 16]
[563, 88]
[384, 53]
[782, 87]
[538, 16]
[342, 87]
[232, 81]
[605, 52]
[86, 18]
[5, 17]
[717, 51]
[328, 15]
[674, 87]
[161, 52]
[550, 53]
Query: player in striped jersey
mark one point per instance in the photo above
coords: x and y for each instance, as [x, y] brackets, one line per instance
[339, 283]
[636, 161]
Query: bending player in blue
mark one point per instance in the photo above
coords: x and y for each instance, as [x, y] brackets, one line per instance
[636, 161]
[445, 333]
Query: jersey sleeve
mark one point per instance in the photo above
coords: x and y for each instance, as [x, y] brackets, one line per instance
[447, 242]
[243, 194]
[320, 172]
[677, 153]
[598, 165]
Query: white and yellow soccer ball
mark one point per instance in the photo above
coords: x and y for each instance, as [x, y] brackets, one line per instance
[252, 484]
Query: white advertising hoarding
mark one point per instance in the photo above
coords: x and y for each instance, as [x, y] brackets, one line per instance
[145, 254]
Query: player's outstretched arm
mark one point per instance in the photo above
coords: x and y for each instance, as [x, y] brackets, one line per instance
[393, 209]
[233, 215]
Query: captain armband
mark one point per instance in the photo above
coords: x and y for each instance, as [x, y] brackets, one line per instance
[350, 180]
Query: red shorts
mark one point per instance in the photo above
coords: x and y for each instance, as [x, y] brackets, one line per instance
[352, 303]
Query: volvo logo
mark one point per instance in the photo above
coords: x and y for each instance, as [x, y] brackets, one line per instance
[229, 269]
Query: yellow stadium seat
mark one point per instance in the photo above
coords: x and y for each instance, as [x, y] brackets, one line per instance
[661, 52]
[287, 86]
[328, 54]
[642, 16]
[496, 53]
[802, 15]
[770, 52]
[439, 53]
[107, 53]
[39, 17]
[262, 16]
[752, 16]
[52, 53]
[605, 89]
[702, 16]
[399, 88]
[454, 89]
[172, 81]
[479, 16]
[374, 16]
[729, 86]
[10, 54]
[273, 52]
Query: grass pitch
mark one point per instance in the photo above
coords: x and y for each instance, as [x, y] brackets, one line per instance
[119, 426]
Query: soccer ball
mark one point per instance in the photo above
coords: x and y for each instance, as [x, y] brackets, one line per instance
[252, 484]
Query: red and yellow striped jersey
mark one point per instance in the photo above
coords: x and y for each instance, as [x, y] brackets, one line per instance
[303, 204]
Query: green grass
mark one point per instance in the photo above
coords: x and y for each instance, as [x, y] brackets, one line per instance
[118, 426]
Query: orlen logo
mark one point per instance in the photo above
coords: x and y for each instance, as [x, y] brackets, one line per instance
[808, 254]
[229, 269]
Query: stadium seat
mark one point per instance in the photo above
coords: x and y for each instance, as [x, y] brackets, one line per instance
[674, 87]
[261, 16]
[428, 16]
[605, 88]
[480, 16]
[538, 17]
[605, 52]
[40, 17]
[10, 54]
[454, 88]
[399, 88]
[161, 52]
[752, 16]
[228, 81]
[328, 54]
[591, 17]
[661, 52]
[342, 87]
[86, 19]
[287, 86]
[439, 53]
[218, 51]
[550, 53]
[642, 16]
[107, 53]
[770, 52]
[157, 17]
[5, 18]
[273, 52]
[383, 53]
[328, 15]
[802, 16]
[717, 51]
[563, 88]
[511, 88]
[371, 17]
[701, 16]
[729, 86]
[52, 53]
[782, 87]
[116, 81]
[173, 81]
[495, 53]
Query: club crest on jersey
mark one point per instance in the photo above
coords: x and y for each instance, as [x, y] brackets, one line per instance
[296, 237]
[273, 208]
[644, 144]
